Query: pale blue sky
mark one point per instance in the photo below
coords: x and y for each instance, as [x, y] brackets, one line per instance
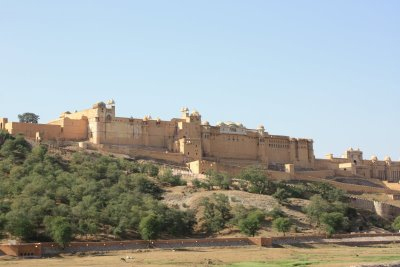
[326, 70]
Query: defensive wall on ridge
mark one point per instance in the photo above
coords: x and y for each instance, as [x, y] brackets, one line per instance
[382, 209]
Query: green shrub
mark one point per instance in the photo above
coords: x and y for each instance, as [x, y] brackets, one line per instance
[59, 229]
[221, 180]
[331, 215]
[282, 225]
[332, 222]
[150, 227]
[251, 223]
[93, 193]
[16, 149]
[258, 181]
[4, 136]
[276, 213]
[396, 224]
[281, 195]
[327, 192]
[150, 169]
[20, 225]
[167, 177]
[217, 212]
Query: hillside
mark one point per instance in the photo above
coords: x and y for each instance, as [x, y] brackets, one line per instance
[183, 197]
[78, 195]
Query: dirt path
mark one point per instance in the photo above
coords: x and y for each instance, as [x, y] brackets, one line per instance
[321, 255]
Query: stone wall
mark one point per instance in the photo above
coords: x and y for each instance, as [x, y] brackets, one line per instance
[141, 152]
[316, 174]
[39, 249]
[73, 129]
[352, 188]
[29, 130]
[187, 135]
[382, 209]
[22, 250]
[48, 249]
[288, 240]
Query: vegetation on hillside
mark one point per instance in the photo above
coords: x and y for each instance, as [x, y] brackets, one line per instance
[327, 210]
[396, 224]
[43, 196]
[46, 197]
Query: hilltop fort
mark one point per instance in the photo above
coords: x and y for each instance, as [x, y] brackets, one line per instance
[189, 140]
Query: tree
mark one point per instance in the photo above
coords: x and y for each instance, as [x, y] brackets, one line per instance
[396, 224]
[59, 229]
[146, 186]
[89, 193]
[217, 212]
[332, 222]
[87, 227]
[282, 225]
[4, 136]
[222, 180]
[328, 192]
[28, 117]
[257, 179]
[331, 215]
[251, 224]
[150, 169]
[19, 225]
[276, 213]
[316, 208]
[149, 227]
[281, 195]
[17, 149]
[169, 178]
[177, 222]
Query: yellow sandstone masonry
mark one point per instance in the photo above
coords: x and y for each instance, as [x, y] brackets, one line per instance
[227, 146]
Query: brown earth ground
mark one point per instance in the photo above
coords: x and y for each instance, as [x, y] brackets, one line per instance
[184, 197]
[321, 255]
[393, 186]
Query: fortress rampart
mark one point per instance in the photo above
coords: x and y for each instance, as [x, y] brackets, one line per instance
[182, 140]
[189, 140]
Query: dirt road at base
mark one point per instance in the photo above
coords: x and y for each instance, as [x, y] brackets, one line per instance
[319, 255]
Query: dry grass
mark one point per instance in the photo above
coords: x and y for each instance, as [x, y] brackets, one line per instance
[189, 198]
[323, 255]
